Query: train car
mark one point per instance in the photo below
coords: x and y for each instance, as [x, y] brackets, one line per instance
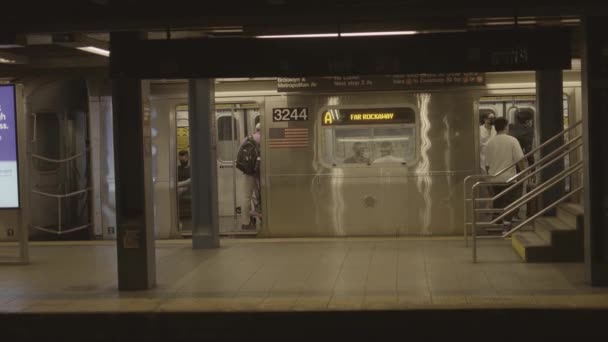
[372, 163]
[413, 149]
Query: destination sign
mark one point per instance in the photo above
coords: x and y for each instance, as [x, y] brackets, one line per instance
[367, 116]
[379, 82]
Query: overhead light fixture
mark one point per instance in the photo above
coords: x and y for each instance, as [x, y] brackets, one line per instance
[12, 58]
[7, 61]
[95, 50]
[380, 33]
[345, 34]
[310, 35]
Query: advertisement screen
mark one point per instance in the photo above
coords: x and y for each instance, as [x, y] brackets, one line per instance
[9, 175]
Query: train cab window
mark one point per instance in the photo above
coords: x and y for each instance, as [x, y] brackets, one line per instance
[352, 146]
[227, 138]
[369, 136]
[393, 145]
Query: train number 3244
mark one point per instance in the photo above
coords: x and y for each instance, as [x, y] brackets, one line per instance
[289, 114]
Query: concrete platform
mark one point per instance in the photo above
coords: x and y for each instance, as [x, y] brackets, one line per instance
[247, 275]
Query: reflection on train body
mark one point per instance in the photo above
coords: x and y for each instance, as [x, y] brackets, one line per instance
[356, 178]
[399, 175]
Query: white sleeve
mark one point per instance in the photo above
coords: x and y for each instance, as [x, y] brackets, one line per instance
[488, 155]
[517, 152]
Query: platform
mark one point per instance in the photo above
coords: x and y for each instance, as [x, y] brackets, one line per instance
[295, 275]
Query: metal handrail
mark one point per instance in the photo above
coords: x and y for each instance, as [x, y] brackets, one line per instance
[52, 160]
[549, 183]
[47, 194]
[532, 152]
[533, 217]
[525, 198]
[542, 160]
[534, 165]
[536, 149]
[530, 175]
[544, 144]
[538, 169]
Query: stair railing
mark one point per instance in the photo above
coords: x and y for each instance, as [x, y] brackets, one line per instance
[471, 203]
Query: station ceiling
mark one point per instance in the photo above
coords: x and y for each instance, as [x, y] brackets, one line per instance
[44, 35]
[107, 15]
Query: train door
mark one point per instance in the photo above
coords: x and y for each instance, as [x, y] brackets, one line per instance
[233, 123]
[58, 173]
[184, 194]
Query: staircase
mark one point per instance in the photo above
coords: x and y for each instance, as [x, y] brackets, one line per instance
[555, 238]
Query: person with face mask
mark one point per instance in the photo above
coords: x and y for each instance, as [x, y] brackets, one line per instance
[486, 132]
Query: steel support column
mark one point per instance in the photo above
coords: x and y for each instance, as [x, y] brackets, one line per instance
[134, 200]
[550, 108]
[595, 126]
[205, 221]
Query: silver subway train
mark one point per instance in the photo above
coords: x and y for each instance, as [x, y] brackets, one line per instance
[394, 175]
[381, 163]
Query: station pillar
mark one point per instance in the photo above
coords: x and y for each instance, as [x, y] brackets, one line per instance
[595, 150]
[132, 166]
[550, 108]
[203, 161]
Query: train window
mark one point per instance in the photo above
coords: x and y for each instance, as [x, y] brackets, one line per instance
[227, 138]
[393, 145]
[352, 146]
[369, 136]
[225, 128]
[372, 146]
[47, 141]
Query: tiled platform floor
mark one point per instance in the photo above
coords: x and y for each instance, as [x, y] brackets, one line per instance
[295, 274]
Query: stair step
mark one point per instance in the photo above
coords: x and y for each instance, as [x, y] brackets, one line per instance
[569, 212]
[573, 208]
[544, 226]
[531, 247]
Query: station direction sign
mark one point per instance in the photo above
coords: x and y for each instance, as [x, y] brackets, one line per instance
[379, 82]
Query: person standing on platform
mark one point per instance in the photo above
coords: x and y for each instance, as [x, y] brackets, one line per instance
[248, 161]
[486, 132]
[503, 150]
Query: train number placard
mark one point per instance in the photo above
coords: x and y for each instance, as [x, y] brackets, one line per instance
[290, 114]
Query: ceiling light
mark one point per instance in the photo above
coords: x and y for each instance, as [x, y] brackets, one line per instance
[7, 61]
[95, 50]
[345, 34]
[380, 33]
[310, 35]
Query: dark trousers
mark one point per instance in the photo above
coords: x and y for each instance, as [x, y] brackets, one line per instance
[506, 199]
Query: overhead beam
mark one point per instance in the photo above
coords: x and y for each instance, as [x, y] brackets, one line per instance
[128, 15]
[454, 52]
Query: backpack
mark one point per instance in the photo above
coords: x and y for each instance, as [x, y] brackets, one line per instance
[247, 159]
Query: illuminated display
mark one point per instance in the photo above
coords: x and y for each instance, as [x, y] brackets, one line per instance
[9, 171]
[366, 116]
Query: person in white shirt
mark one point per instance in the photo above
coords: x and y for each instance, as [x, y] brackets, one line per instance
[386, 154]
[486, 132]
[503, 150]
